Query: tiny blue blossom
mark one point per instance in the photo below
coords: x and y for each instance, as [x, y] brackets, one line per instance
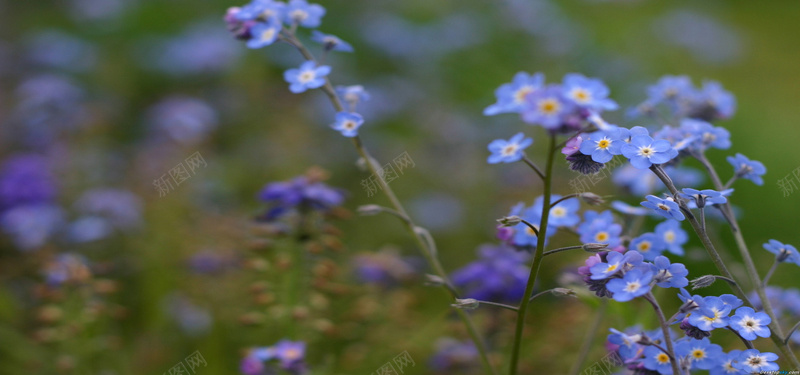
[731, 300]
[590, 93]
[714, 102]
[602, 146]
[264, 34]
[302, 13]
[672, 235]
[705, 135]
[753, 361]
[670, 88]
[563, 214]
[725, 367]
[268, 10]
[634, 284]
[643, 151]
[628, 209]
[655, 359]
[664, 207]
[748, 169]
[307, 76]
[712, 314]
[348, 123]
[750, 324]
[628, 344]
[600, 228]
[649, 245]
[703, 197]
[331, 42]
[669, 275]
[783, 252]
[509, 151]
[616, 263]
[701, 354]
[511, 96]
[546, 107]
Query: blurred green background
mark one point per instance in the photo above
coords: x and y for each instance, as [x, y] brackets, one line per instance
[432, 67]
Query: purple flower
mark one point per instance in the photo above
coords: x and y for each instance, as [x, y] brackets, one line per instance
[301, 193]
[26, 179]
[499, 274]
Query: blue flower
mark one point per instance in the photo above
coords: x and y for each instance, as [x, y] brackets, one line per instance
[655, 359]
[701, 354]
[30, 226]
[643, 151]
[302, 13]
[546, 107]
[348, 123]
[307, 76]
[634, 284]
[602, 146]
[669, 275]
[713, 313]
[783, 252]
[713, 102]
[664, 207]
[290, 353]
[264, 34]
[750, 324]
[672, 235]
[600, 228]
[753, 361]
[331, 42]
[670, 88]
[629, 347]
[704, 135]
[726, 365]
[649, 245]
[564, 214]
[353, 94]
[499, 274]
[749, 169]
[511, 96]
[731, 300]
[268, 10]
[588, 93]
[508, 151]
[615, 263]
[703, 197]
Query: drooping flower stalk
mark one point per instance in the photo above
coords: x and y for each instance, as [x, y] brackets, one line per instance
[424, 242]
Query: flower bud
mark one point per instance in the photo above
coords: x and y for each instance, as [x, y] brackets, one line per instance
[563, 292]
[466, 303]
[592, 199]
[509, 221]
[433, 280]
[594, 247]
[369, 209]
[703, 281]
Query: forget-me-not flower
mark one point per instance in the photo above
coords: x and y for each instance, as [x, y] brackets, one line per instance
[748, 169]
[307, 76]
[509, 151]
[664, 207]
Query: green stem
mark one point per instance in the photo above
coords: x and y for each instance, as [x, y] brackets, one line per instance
[550, 252]
[665, 330]
[746, 342]
[770, 272]
[533, 166]
[750, 266]
[573, 195]
[501, 305]
[537, 258]
[589, 339]
[424, 244]
[776, 336]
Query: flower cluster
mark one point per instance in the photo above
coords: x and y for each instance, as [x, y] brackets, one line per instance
[680, 97]
[625, 276]
[499, 274]
[301, 194]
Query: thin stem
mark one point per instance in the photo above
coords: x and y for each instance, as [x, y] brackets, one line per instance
[589, 339]
[730, 182]
[544, 292]
[791, 331]
[703, 218]
[770, 272]
[533, 227]
[502, 305]
[533, 166]
[537, 258]
[746, 342]
[752, 272]
[665, 330]
[777, 336]
[574, 195]
[549, 252]
[423, 243]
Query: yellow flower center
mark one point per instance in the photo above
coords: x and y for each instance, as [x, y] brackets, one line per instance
[268, 34]
[669, 236]
[698, 354]
[307, 76]
[662, 358]
[523, 91]
[549, 106]
[663, 207]
[581, 95]
[510, 149]
[644, 246]
[558, 212]
[601, 236]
